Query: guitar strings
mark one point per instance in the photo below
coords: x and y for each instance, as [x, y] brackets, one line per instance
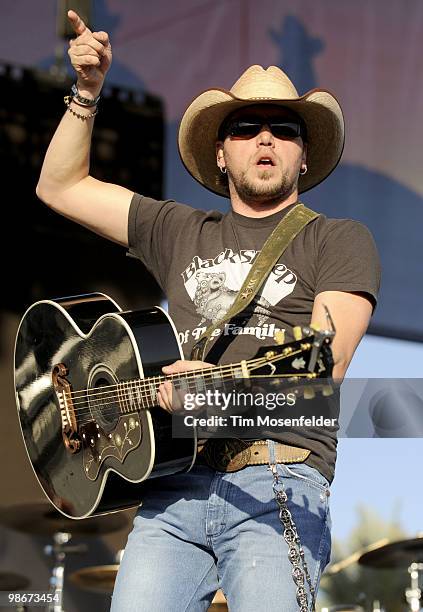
[187, 375]
[129, 397]
[125, 390]
[141, 385]
[110, 410]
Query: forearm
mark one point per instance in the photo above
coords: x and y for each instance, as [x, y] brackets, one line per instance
[67, 159]
[351, 314]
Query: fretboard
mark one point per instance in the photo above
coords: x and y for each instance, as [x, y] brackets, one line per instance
[141, 394]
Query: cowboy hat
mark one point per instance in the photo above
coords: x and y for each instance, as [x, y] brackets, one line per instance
[319, 109]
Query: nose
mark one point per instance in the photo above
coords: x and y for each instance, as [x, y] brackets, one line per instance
[265, 136]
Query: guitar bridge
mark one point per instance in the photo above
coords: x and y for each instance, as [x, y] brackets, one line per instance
[67, 412]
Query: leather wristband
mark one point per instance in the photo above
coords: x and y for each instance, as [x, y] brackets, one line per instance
[81, 100]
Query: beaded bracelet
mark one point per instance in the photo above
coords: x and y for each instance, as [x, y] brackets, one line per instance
[68, 99]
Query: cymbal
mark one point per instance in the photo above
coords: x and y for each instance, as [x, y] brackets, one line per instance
[101, 579]
[334, 568]
[98, 578]
[401, 553]
[42, 519]
[12, 582]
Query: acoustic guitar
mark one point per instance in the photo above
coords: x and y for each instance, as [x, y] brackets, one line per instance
[86, 381]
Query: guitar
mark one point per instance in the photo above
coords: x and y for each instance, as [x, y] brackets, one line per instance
[86, 381]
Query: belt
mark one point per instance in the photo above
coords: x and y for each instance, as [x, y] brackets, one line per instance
[233, 454]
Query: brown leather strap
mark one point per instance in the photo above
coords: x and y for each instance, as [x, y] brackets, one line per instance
[284, 453]
[233, 454]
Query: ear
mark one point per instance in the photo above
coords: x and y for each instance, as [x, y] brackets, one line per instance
[304, 154]
[220, 154]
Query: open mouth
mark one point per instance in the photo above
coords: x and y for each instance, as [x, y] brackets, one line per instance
[265, 161]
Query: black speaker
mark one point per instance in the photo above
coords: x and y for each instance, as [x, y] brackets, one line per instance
[44, 253]
[82, 7]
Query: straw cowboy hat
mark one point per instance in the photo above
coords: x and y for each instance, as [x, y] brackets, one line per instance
[318, 108]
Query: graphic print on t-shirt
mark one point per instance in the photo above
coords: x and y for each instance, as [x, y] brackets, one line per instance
[213, 298]
[213, 284]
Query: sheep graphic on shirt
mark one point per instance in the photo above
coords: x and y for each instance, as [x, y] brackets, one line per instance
[213, 299]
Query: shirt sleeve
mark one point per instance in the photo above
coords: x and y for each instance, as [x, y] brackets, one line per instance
[348, 260]
[154, 226]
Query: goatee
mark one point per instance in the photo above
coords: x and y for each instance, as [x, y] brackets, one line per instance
[266, 190]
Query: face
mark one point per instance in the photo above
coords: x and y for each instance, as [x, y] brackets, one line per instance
[263, 167]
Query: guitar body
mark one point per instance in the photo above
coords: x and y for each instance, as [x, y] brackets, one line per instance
[69, 353]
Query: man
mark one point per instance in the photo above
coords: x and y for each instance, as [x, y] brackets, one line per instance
[260, 145]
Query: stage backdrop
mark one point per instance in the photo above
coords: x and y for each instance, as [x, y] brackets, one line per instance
[368, 54]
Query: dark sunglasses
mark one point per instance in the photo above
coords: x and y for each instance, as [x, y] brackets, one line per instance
[249, 128]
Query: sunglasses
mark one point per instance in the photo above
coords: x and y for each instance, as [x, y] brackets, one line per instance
[249, 128]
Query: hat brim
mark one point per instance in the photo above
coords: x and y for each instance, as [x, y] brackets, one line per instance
[198, 134]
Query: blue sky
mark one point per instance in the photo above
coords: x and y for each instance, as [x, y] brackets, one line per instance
[383, 474]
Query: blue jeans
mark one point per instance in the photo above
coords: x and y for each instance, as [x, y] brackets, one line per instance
[204, 530]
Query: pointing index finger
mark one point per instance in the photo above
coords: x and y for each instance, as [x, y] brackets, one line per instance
[78, 25]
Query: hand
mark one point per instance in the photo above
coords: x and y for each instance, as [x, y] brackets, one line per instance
[164, 394]
[91, 56]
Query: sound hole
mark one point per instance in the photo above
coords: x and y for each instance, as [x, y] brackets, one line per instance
[103, 397]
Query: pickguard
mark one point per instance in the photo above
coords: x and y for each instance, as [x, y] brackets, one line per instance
[99, 445]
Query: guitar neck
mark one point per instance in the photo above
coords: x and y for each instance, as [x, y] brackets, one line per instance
[141, 394]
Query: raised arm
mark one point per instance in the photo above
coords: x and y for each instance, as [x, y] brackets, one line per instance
[65, 184]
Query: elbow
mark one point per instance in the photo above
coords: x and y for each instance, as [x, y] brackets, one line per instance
[46, 195]
[340, 368]
[41, 192]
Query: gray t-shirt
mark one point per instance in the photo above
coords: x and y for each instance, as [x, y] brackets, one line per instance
[200, 260]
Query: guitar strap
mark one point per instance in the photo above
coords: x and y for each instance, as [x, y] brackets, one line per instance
[283, 234]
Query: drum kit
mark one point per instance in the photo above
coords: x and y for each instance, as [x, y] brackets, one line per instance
[101, 579]
[42, 519]
[385, 554]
